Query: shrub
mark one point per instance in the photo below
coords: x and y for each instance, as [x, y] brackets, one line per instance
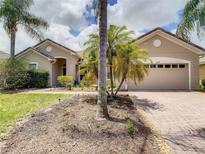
[13, 74]
[66, 81]
[38, 79]
[203, 84]
[130, 127]
[89, 80]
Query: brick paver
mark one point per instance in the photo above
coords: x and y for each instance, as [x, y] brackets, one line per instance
[178, 116]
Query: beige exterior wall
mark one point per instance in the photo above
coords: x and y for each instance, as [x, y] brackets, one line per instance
[202, 72]
[42, 62]
[178, 78]
[3, 55]
[59, 52]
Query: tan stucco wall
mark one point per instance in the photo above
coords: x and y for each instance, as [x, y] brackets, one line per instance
[172, 50]
[43, 63]
[3, 55]
[202, 72]
[71, 60]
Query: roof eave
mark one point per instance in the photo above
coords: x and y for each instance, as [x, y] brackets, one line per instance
[200, 50]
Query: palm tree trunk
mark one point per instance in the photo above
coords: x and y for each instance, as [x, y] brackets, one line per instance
[102, 111]
[12, 44]
[120, 85]
[111, 79]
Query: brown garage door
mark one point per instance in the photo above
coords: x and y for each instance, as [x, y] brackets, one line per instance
[164, 77]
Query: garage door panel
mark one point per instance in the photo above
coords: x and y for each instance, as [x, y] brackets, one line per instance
[163, 78]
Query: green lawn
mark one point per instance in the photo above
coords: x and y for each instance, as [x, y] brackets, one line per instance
[14, 107]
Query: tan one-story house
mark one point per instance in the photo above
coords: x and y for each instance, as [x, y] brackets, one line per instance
[3, 55]
[53, 57]
[175, 62]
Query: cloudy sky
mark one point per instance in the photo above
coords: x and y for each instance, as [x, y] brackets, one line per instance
[72, 20]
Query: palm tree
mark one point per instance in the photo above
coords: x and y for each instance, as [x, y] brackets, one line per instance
[121, 52]
[117, 35]
[193, 19]
[14, 13]
[102, 111]
[89, 65]
[129, 63]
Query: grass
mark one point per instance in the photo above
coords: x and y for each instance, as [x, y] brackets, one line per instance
[14, 107]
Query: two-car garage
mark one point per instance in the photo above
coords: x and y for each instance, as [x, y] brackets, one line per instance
[173, 64]
[164, 76]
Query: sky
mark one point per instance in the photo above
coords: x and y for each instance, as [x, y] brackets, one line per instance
[71, 21]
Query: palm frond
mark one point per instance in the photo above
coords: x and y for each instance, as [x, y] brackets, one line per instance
[193, 19]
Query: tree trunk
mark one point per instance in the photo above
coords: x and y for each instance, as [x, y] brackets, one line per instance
[111, 79]
[120, 85]
[12, 44]
[102, 111]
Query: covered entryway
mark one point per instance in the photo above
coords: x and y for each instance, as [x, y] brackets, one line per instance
[58, 68]
[165, 74]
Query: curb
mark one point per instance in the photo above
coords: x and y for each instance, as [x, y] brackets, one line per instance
[163, 146]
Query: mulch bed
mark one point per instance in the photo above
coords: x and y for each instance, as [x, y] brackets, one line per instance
[70, 127]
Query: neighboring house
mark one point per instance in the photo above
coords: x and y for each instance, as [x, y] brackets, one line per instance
[53, 57]
[202, 68]
[3, 55]
[175, 62]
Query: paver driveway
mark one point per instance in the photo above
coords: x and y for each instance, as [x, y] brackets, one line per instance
[178, 116]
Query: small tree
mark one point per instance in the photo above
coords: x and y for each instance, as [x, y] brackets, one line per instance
[125, 58]
[129, 63]
[13, 74]
[116, 35]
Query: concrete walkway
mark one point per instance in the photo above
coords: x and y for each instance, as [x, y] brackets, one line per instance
[178, 116]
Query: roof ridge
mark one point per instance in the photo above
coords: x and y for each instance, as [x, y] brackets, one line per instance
[48, 39]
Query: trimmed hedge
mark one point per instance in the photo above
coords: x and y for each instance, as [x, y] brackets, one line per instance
[38, 79]
[66, 81]
[13, 74]
[203, 84]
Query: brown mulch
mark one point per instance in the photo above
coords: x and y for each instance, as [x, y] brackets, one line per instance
[70, 127]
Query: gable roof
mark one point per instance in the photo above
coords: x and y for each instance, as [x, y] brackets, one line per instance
[158, 29]
[49, 57]
[55, 43]
[34, 48]
[4, 53]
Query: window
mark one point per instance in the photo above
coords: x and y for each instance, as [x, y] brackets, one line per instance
[160, 66]
[152, 66]
[174, 66]
[181, 66]
[33, 66]
[167, 66]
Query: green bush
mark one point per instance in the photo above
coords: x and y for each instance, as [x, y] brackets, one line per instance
[203, 84]
[38, 79]
[89, 80]
[13, 74]
[66, 81]
[130, 127]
